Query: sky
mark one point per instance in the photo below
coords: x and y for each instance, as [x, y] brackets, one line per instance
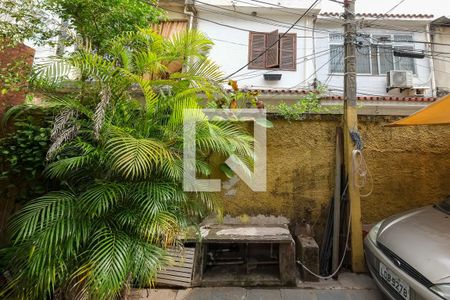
[435, 7]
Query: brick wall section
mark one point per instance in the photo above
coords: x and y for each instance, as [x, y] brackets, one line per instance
[10, 55]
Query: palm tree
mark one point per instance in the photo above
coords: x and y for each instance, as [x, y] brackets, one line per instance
[117, 150]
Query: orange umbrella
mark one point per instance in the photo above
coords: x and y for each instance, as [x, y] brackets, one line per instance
[437, 113]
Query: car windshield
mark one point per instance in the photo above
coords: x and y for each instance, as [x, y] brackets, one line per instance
[445, 205]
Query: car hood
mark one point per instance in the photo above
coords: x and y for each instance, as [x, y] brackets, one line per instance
[422, 239]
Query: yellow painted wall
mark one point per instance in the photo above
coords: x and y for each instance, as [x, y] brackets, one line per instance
[410, 168]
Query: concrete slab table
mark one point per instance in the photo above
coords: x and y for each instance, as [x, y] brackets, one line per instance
[247, 234]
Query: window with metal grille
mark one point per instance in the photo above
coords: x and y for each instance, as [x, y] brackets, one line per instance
[386, 44]
[363, 54]
[281, 51]
[374, 53]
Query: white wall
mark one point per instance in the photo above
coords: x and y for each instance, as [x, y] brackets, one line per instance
[231, 51]
[231, 47]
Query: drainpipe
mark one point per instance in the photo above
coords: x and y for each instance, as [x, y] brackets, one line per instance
[189, 9]
[314, 50]
[431, 50]
[305, 49]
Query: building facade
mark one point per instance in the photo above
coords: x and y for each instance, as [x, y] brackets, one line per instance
[399, 60]
[394, 60]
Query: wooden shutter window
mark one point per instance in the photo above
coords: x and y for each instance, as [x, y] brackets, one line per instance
[273, 53]
[257, 45]
[288, 52]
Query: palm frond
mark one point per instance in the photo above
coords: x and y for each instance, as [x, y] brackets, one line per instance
[135, 158]
[146, 261]
[106, 269]
[92, 65]
[224, 138]
[188, 44]
[204, 75]
[52, 72]
[41, 213]
[101, 197]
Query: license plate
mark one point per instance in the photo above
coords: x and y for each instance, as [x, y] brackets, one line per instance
[394, 280]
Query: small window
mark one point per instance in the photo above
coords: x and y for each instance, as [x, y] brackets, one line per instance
[282, 53]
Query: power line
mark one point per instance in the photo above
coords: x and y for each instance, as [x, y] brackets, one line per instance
[275, 22]
[274, 43]
[229, 42]
[389, 41]
[226, 25]
[271, 4]
[313, 74]
[275, 5]
[425, 52]
[340, 21]
[394, 7]
[329, 31]
[398, 28]
[404, 29]
[306, 57]
[260, 72]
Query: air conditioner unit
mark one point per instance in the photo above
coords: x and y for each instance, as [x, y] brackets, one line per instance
[399, 79]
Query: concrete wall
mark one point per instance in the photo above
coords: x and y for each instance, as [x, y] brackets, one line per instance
[410, 168]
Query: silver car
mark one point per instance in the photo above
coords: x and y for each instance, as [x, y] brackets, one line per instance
[408, 254]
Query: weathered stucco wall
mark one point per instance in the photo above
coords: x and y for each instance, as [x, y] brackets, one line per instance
[410, 168]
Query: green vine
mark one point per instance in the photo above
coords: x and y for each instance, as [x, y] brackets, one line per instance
[14, 75]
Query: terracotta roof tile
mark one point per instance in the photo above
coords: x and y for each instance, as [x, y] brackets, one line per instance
[379, 15]
[266, 91]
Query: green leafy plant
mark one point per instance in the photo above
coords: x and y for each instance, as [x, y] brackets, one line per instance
[117, 148]
[13, 75]
[298, 111]
[20, 20]
[24, 20]
[22, 159]
[99, 21]
[65, 22]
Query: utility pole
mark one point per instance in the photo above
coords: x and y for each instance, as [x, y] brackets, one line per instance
[350, 120]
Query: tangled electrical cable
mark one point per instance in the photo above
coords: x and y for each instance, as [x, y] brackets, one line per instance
[361, 173]
[345, 249]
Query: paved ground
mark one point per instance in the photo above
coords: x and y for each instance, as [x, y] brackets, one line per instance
[348, 287]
